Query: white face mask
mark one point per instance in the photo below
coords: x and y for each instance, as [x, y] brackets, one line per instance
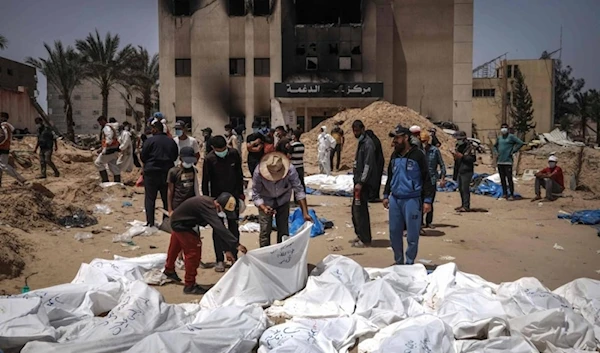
[186, 165]
[504, 130]
[222, 215]
[552, 164]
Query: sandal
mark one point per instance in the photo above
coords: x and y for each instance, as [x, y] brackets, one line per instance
[462, 209]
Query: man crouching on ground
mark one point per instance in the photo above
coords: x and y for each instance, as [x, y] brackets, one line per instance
[199, 211]
[408, 181]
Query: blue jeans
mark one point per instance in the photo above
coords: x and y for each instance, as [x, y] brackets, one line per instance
[405, 212]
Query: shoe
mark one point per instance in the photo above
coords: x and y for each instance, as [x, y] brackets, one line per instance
[56, 174]
[430, 226]
[360, 244]
[220, 267]
[353, 240]
[511, 198]
[537, 198]
[104, 176]
[173, 276]
[40, 177]
[457, 208]
[195, 289]
[117, 178]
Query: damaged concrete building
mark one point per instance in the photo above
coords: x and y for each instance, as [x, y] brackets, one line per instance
[298, 62]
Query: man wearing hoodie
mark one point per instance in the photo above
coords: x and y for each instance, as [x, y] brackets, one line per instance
[109, 154]
[505, 147]
[408, 187]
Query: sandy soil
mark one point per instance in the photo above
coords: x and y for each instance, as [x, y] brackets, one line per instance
[515, 239]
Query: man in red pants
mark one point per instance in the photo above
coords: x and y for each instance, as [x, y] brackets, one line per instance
[202, 211]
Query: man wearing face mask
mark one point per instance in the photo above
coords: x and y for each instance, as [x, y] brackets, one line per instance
[365, 176]
[222, 173]
[182, 180]
[408, 187]
[125, 161]
[183, 140]
[505, 147]
[551, 179]
[464, 167]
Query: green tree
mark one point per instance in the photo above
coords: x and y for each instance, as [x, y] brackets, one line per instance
[565, 89]
[583, 105]
[63, 70]
[521, 112]
[3, 42]
[594, 112]
[104, 63]
[143, 78]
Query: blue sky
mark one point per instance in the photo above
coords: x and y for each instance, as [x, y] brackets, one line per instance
[523, 28]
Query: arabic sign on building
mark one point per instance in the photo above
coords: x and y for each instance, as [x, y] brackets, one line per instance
[329, 90]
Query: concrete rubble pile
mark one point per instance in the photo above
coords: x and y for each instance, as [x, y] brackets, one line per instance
[340, 304]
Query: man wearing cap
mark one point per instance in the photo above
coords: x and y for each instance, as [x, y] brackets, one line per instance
[415, 138]
[408, 187]
[550, 178]
[159, 154]
[365, 176]
[505, 147]
[182, 139]
[199, 211]
[207, 133]
[272, 185]
[434, 140]
[464, 167]
[222, 172]
[46, 142]
[325, 144]
[109, 154]
[6, 131]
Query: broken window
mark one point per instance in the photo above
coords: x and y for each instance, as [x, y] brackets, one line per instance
[334, 48]
[182, 8]
[183, 67]
[237, 7]
[300, 49]
[262, 67]
[237, 67]
[128, 111]
[356, 50]
[312, 63]
[261, 8]
[331, 11]
[509, 73]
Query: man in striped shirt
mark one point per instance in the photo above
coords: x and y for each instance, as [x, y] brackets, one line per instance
[296, 155]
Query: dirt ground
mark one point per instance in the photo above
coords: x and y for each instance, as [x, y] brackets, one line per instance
[515, 239]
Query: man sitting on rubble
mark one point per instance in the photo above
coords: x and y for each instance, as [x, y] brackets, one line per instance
[550, 178]
[199, 211]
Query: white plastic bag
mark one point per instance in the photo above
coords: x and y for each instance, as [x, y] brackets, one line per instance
[134, 231]
[507, 344]
[102, 209]
[263, 275]
[528, 295]
[81, 236]
[23, 320]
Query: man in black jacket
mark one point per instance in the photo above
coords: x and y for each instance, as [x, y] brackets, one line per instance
[379, 167]
[365, 165]
[222, 172]
[464, 166]
[159, 154]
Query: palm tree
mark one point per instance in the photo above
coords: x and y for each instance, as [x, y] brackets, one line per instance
[583, 102]
[3, 42]
[595, 111]
[64, 70]
[143, 78]
[105, 64]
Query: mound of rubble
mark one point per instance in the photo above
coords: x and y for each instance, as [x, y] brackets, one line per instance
[13, 252]
[381, 117]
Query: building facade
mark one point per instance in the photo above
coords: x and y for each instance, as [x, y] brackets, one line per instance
[493, 98]
[18, 84]
[87, 107]
[298, 62]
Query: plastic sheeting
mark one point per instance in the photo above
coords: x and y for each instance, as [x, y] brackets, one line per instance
[23, 320]
[341, 185]
[296, 221]
[589, 217]
[528, 295]
[584, 296]
[512, 344]
[263, 275]
[230, 329]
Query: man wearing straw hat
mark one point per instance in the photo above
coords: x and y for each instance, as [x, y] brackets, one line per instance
[272, 185]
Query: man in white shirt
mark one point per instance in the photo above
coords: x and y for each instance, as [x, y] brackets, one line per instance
[232, 138]
[183, 140]
[6, 131]
[326, 143]
[109, 153]
[125, 161]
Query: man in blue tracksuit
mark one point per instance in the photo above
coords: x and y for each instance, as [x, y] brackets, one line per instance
[408, 183]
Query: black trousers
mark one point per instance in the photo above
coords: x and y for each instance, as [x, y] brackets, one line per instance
[360, 215]
[252, 164]
[154, 182]
[464, 186]
[301, 176]
[337, 150]
[506, 177]
[221, 247]
[429, 216]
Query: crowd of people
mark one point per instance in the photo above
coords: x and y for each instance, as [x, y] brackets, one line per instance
[275, 159]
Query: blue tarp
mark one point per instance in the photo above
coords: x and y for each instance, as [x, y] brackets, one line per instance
[589, 217]
[297, 220]
[450, 186]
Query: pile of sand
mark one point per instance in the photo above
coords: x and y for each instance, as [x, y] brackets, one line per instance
[13, 252]
[381, 117]
[32, 207]
[572, 160]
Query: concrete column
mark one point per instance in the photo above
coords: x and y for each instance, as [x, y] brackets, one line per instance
[463, 65]
[275, 48]
[249, 98]
[166, 33]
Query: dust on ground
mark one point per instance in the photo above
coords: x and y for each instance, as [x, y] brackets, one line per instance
[14, 253]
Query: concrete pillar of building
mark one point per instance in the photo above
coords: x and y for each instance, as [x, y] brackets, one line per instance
[384, 46]
[275, 48]
[166, 50]
[463, 65]
[249, 101]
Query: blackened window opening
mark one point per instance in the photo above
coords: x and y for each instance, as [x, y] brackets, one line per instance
[325, 12]
[237, 7]
[261, 8]
[182, 8]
